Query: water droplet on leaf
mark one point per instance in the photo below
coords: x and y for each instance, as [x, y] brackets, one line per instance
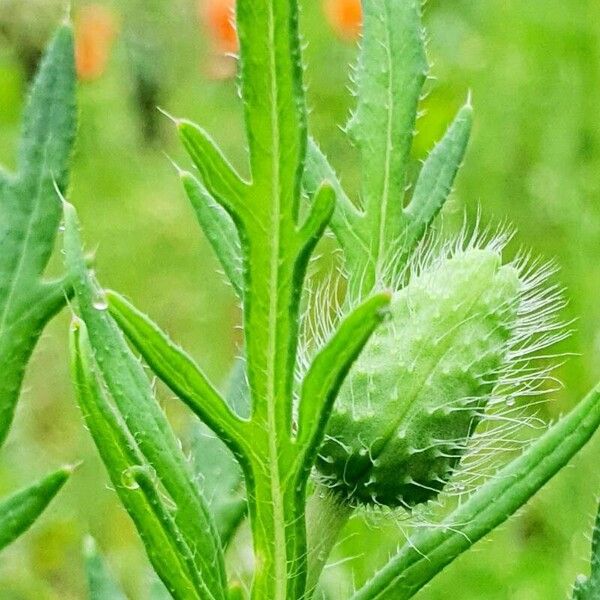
[100, 302]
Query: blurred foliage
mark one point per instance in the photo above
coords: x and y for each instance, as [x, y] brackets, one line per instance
[533, 69]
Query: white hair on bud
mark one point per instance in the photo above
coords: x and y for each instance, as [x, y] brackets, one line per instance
[526, 376]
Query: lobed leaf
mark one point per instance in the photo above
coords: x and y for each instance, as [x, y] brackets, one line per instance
[177, 369]
[101, 584]
[378, 240]
[431, 549]
[19, 511]
[146, 424]
[30, 215]
[390, 75]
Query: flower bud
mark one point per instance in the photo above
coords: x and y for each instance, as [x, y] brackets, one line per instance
[415, 395]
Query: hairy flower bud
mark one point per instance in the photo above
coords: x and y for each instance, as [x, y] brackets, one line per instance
[414, 397]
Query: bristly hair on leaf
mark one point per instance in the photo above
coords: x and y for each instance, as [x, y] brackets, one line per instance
[29, 221]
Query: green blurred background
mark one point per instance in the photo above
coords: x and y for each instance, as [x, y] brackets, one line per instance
[534, 71]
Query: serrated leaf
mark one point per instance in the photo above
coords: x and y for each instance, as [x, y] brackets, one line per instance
[391, 71]
[147, 425]
[19, 511]
[437, 177]
[101, 583]
[30, 215]
[431, 549]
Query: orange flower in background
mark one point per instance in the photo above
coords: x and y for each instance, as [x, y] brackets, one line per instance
[345, 16]
[218, 18]
[95, 30]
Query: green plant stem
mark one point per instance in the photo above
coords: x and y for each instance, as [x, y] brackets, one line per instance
[278, 531]
[326, 516]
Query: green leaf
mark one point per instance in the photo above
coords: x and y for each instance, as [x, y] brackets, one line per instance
[391, 72]
[318, 218]
[218, 228]
[390, 75]
[271, 83]
[147, 425]
[346, 222]
[329, 368]
[166, 545]
[220, 478]
[218, 176]
[30, 215]
[276, 248]
[220, 475]
[177, 369]
[101, 585]
[19, 511]
[588, 588]
[431, 549]
[437, 177]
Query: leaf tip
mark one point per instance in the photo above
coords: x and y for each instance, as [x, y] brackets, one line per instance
[68, 470]
[180, 172]
[169, 116]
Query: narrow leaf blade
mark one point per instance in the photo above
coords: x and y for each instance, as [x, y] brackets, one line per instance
[120, 453]
[218, 176]
[218, 228]
[29, 217]
[19, 511]
[391, 71]
[437, 177]
[330, 366]
[175, 367]
[133, 396]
